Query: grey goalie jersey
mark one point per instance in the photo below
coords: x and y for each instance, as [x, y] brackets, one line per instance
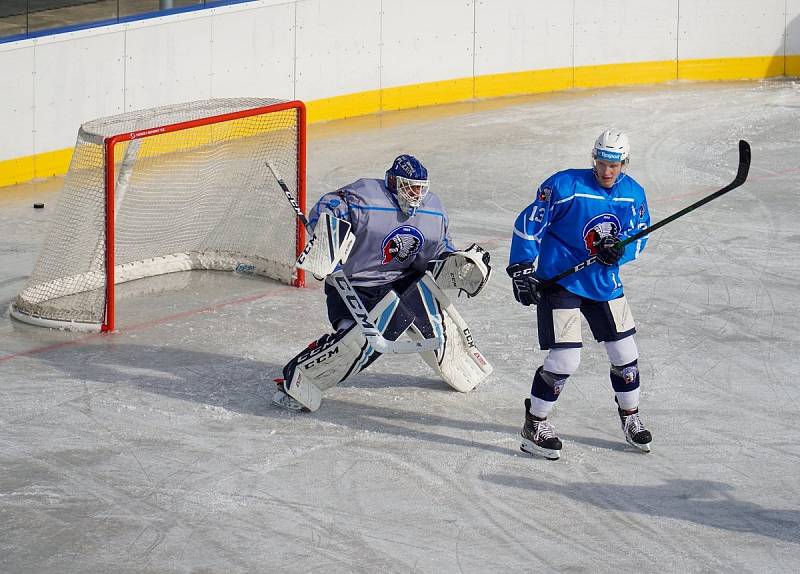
[389, 244]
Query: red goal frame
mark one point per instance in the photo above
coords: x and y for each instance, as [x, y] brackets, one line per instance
[110, 143]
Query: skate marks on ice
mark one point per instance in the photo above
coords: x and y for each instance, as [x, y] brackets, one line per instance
[702, 502]
[156, 450]
[620, 522]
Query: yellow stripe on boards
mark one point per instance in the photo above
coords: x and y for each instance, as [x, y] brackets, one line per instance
[625, 74]
[47, 164]
[340, 107]
[520, 83]
[19, 170]
[731, 68]
[458, 90]
[427, 94]
[791, 66]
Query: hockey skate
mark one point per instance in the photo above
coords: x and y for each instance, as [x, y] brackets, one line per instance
[283, 400]
[635, 433]
[539, 437]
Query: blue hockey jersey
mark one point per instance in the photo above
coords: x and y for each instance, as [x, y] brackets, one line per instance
[562, 227]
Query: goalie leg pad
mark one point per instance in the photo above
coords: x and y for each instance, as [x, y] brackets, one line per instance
[324, 364]
[336, 357]
[458, 362]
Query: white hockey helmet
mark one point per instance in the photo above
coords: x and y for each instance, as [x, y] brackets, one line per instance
[611, 145]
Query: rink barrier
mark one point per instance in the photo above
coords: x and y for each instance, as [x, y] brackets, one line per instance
[286, 48]
[48, 164]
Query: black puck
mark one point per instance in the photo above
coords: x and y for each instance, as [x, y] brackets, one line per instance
[38, 205]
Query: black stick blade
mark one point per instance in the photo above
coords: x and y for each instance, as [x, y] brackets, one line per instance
[744, 162]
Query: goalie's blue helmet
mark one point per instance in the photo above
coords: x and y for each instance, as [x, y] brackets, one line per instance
[409, 167]
[408, 178]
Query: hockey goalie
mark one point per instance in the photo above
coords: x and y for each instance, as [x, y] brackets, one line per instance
[383, 247]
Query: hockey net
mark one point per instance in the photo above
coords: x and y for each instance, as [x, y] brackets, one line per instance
[170, 189]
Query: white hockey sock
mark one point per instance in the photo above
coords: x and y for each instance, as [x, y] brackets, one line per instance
[628, 400]
[540, 408]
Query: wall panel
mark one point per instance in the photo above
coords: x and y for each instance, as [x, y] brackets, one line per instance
[793, 27]
[712, 29]
[168, 61]
[518, 35]
[428, 47]
[338, 50]
[253, 52]
[17, 113]
[356, 57]
[77, 78]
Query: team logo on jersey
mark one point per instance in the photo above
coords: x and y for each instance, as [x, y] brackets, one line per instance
[402, 243]
[599, 227]
[641, 211]
[545, 193]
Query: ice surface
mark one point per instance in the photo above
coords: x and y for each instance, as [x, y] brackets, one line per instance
[155, 449]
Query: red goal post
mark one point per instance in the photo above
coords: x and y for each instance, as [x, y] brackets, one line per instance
[170, 189]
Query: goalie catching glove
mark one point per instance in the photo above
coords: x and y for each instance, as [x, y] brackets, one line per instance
[467, 270]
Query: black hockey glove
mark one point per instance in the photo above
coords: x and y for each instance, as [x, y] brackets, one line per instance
[610, 250]
[525, 285]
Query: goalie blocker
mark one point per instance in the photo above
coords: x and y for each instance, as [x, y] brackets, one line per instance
[330, 245]
[336, 357]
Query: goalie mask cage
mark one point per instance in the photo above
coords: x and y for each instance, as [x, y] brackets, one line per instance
[169, 189]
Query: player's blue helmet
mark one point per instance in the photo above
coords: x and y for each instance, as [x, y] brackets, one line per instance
[408, 178]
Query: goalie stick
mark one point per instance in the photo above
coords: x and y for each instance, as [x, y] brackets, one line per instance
[353, 301]
[741, 177]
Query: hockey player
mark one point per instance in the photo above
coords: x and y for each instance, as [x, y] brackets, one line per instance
[400, 230]
[579, 213]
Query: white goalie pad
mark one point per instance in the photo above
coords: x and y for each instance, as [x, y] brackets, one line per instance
[330, 245]
[342, 356]
[458, 361]
[468, 270]
[326, 366]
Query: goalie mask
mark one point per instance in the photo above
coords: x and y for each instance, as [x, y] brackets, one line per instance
[408, 179]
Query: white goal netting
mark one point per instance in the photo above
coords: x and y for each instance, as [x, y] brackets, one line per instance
[196, 195]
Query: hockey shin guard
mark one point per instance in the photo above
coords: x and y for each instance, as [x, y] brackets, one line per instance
[547, 386]
[625, 382]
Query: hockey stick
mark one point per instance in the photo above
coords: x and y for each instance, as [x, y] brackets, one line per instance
[741, 177]
[353, 301]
